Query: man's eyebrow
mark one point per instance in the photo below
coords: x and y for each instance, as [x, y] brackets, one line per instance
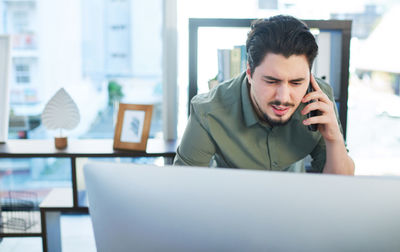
[297, 80]
[267, 77]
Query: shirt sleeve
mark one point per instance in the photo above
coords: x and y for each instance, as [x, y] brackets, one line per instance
[197, 147]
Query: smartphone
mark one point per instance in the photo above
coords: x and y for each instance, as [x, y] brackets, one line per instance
[312, 127]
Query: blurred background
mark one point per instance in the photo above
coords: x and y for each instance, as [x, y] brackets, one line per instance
[108, 51]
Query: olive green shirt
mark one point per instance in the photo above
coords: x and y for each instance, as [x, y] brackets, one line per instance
[223, 130]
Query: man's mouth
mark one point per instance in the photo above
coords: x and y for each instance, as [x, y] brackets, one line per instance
[280, 110]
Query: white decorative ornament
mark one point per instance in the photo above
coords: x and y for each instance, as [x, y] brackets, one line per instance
[61, 112]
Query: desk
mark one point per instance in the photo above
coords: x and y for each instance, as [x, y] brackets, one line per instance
[66, 200]
[57, 201]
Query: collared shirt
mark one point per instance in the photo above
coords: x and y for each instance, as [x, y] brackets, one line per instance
[224, 129]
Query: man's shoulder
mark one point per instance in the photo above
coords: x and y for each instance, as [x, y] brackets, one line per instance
[219, 98]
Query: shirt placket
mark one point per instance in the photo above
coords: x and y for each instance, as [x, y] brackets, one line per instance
[268, 142]
[271, 143]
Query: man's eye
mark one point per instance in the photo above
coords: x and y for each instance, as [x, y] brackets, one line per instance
[270, 82]
[296, 83]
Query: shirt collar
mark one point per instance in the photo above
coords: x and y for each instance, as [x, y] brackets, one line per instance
[249, 114]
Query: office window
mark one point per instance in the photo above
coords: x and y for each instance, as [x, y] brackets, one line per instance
[104, 51]
[101, 51]
[22, 74]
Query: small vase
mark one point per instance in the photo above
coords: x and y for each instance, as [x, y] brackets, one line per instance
[61, 142]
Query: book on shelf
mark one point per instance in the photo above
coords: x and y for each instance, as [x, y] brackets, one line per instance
[235, 62]
[243, 57]
[231, 62]
[220, 75]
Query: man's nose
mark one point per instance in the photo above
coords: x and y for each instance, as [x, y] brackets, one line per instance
[283, 93]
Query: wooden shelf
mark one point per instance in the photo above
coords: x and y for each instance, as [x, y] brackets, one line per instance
[84, 148]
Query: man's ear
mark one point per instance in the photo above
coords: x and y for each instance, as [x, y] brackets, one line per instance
[248, 73]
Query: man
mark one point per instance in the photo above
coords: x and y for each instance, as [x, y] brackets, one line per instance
[258, 119]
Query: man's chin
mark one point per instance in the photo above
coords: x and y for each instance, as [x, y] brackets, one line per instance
[276, 121]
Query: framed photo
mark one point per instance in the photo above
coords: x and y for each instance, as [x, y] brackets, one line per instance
[133, 126]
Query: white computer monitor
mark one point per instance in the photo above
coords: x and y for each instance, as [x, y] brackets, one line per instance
[149, 208]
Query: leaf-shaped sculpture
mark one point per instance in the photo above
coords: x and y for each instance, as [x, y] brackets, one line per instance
[61, 112]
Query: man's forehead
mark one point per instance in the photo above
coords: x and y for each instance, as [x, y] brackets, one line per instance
[281, 67]
[281, 74]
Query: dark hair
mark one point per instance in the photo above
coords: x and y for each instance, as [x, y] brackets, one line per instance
[280, 34]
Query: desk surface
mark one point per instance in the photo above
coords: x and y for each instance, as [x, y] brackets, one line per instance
[58, 198]
[84, 148]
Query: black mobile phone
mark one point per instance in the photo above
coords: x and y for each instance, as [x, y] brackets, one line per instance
[311, 127]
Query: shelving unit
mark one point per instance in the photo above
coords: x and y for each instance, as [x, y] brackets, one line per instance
[62, 200]
[341, 27]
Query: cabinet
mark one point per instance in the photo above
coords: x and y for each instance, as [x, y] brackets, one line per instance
[333, 37]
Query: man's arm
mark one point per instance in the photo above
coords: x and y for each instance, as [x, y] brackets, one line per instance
[196, 147]
[337, 159]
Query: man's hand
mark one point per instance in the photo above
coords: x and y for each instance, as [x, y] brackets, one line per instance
[337, 159]
[326, 120]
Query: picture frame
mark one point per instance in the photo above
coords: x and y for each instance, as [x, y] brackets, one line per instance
[132, 127]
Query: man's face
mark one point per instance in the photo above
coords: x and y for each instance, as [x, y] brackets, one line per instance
[278, 85]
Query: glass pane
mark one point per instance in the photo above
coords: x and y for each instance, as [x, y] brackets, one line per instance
[32, 244]
[102, 52]
[327, 64]
[24, 183]
[35, 174]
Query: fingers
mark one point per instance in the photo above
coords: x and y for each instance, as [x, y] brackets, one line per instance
[316, 95]
[314, 83]
[326, 118]
[321, 103]
[321, 106]
[322, 119]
